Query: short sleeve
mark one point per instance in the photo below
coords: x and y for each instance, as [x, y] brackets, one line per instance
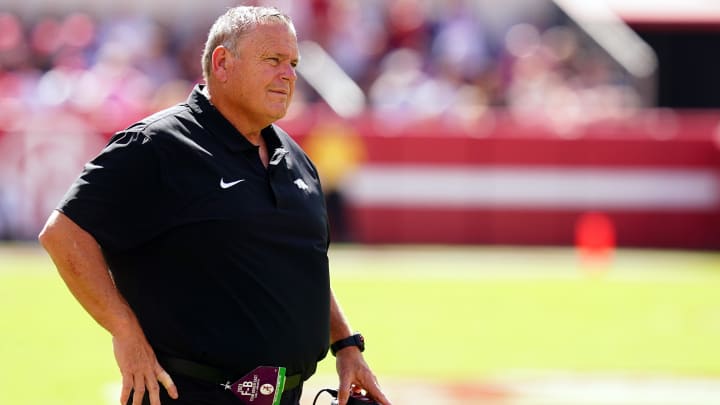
[118, 196]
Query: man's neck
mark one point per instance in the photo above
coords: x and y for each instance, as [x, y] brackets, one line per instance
[251, 133]
[253, 136]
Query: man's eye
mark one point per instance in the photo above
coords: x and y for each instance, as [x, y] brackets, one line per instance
[274, 61]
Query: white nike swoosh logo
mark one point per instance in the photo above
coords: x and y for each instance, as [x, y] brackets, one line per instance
[224, 185]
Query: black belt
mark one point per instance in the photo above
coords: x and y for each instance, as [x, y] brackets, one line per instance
[212, 374]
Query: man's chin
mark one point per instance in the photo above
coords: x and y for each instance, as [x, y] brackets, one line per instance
[276, 114]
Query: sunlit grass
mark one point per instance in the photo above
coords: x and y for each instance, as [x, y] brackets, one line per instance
[426, 312]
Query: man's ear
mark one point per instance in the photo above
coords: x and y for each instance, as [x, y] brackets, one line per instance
[220, 61]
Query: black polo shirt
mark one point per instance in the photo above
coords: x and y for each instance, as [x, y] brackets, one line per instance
[224, 261]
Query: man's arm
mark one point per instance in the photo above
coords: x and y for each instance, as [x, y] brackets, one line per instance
[352, 369]
[81, 265]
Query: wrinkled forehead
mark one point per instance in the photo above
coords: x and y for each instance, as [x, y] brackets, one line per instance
[272, 33]
[277, 37]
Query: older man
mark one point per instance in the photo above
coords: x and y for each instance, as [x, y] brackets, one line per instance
[198, 237]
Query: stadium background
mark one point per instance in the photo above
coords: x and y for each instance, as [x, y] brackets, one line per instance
[471, 123]
[465, 122]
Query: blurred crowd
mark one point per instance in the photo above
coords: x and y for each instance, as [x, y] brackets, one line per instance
[430, 57]
[85, 74]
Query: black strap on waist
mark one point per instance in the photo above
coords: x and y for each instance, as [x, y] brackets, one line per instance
[212, 374]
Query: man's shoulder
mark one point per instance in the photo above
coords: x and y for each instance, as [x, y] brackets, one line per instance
[168, 132]
[169, 119]
[165, 124]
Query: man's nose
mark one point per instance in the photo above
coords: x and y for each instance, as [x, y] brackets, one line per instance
[289, 72]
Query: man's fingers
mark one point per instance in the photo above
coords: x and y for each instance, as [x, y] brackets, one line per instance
[138, 386]
[167, 382]
[344, 391]
[139, 390]
[376, 393]
[125, 392]
[153, 390]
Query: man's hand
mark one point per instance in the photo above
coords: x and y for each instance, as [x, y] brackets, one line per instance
[81, 263]
[140, 370]
[355, 376]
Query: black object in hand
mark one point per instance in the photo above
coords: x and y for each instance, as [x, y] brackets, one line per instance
[358, 399]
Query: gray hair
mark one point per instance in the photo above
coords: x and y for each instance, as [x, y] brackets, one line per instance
[236, 22]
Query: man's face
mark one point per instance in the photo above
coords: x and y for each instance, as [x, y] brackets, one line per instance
[261, 79]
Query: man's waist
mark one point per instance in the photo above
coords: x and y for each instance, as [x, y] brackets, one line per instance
[213, 374]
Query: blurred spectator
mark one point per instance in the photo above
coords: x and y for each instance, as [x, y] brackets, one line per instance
[336, 150]
[421, 58]
[453, 52]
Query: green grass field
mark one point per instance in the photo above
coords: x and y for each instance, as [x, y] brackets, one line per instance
[427, 313]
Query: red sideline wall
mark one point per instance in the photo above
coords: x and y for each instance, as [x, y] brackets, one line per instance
[504, 180]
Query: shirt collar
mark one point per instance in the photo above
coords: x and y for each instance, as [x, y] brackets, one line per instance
[215, 123]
